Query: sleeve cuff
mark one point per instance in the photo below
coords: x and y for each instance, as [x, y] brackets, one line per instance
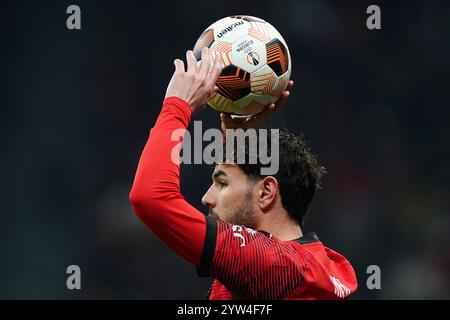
[209, 247]
[178, 102]
[179, 107]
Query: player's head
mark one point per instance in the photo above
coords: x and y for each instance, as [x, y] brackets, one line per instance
[241, 195]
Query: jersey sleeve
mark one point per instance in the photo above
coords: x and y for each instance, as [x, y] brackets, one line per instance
[155, 195]
[251, 264]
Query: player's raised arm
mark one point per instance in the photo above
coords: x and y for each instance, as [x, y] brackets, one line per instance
[155, 195]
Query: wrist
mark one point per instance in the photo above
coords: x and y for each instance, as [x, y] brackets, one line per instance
[178, 102]
[182, 106]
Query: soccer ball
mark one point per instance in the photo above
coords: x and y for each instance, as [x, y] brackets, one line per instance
[256, 63]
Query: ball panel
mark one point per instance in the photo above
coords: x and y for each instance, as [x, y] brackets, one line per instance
[206, 39]
[259, 31]
[229, 29]
[224, 48]
[253, 107]
[248, 53]
[248, 105]
[280, 85]
[252, 103]
[265, 99]
[277, 56]
[220, 103]
[274, 34]
[233, 83]
[248, 18]
[263, 80]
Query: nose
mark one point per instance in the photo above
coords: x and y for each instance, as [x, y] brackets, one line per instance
[209, 198]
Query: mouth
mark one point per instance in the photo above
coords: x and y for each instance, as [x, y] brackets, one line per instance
[212, 214]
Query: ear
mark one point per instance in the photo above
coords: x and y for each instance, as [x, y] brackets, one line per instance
[267, 192]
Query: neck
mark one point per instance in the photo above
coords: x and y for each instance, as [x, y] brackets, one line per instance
[282, 229]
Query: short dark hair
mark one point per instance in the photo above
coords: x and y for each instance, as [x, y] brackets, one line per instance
[299, 174]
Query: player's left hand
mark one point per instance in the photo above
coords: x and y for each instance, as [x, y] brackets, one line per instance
[197, 84]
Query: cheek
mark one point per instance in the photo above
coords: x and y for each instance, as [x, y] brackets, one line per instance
[229, 198]
[222, 199]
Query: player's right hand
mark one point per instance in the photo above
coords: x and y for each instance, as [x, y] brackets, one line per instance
[197, 84]
[254, 121]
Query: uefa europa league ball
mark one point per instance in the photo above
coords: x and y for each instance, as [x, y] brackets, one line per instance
[256, 63]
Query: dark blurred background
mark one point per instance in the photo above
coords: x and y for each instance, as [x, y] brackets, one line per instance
[77, 106]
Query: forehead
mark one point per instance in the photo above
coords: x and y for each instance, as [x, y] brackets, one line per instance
[229, 169]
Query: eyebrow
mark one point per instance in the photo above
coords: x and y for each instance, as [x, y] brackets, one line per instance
[219, 173]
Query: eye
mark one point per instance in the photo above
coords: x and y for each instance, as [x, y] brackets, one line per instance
[222, 184]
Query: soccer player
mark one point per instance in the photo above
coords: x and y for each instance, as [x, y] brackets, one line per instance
[252, 241]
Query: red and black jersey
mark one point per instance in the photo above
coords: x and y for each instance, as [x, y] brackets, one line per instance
[245, 263]
[249, 264]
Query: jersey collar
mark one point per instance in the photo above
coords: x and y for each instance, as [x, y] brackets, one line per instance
[310, 237]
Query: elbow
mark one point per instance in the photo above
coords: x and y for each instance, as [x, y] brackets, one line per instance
[145, 205]
[150, 201]
[135, 197]
[142, 205]
[136, 202]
